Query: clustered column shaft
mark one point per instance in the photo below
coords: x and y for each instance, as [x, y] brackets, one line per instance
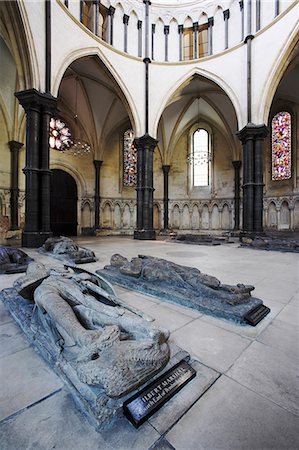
[14, 183]
[38, 108]
[165, 169]
[97, 166]
[237, 167]
[252, 137]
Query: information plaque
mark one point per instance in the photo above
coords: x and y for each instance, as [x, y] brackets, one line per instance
[254, 316]
[142, 405]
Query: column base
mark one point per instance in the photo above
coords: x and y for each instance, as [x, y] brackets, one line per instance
[145, 235]
[251, 234]
[35, 239]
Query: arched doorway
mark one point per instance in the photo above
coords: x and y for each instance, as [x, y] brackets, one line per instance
[63, 205]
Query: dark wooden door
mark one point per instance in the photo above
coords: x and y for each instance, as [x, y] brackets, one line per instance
[63, 205]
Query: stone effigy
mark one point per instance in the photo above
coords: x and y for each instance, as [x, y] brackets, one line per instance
[270, 243]
[13, 260]
[187, 286]
[101, 346]
[65, 249]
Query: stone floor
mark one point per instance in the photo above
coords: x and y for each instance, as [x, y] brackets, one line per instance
[253, 402]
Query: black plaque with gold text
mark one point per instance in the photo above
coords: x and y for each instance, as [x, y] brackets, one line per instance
[142, 405]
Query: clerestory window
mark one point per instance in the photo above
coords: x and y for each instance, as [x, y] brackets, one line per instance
[202, 42]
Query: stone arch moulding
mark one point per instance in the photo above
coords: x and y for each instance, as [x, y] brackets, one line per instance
[81, 185]
[278, 70]
[26, 57]
[95, 51]
[188, 76]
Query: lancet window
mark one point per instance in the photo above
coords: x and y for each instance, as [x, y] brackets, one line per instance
[281, 146]
[130, 159]
[201, 158]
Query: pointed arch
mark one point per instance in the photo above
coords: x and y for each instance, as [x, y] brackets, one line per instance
[126, 95]
[279, 68]
[188, 77]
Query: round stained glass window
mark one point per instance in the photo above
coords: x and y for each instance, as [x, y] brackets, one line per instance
[60, 135]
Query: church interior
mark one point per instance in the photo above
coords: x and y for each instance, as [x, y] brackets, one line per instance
[125, 125]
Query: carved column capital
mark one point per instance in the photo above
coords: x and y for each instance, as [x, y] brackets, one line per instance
[226, 14]
[111, 11]
[15, 146]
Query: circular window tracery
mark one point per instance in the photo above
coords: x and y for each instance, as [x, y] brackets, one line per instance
[60, 135]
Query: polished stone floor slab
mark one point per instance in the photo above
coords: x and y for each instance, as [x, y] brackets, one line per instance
[282, 336]
[12, 339]
[213, 346]
[4, 314]
[174, 409]
[26, 379]
[290, 313]
[231, 417]
[167, 317]
[271, 373]
[256, 410]
[55, 423]
[247, 331]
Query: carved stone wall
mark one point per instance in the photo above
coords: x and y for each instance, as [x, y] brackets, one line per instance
[119, 215]
[281, 213]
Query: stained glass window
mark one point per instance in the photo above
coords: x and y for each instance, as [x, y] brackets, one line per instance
[281, 146]
[60, 135]
[201, 158]
[130, 159]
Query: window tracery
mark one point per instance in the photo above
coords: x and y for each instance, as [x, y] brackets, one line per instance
[281, 146]
[201, 157]
[60, 135]
[129, 159]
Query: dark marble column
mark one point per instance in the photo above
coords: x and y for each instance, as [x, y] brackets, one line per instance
[95, 13]
[14, 183]
[258, 179]
[249, 14]
[30, 102]
[165, 199]
[145, 147]
[226, 17]
[111, 12]
[252, 137]
[276, 7]
[195, 40]
[210, 35]
[139, 28]
[237, 167]
[153, 38]
[97, 166]
[48, 109]
[241, 4]
[38, 108]
[166, 32]
[81, 10]
[257, 15]
[180, 31]
[126, 22]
